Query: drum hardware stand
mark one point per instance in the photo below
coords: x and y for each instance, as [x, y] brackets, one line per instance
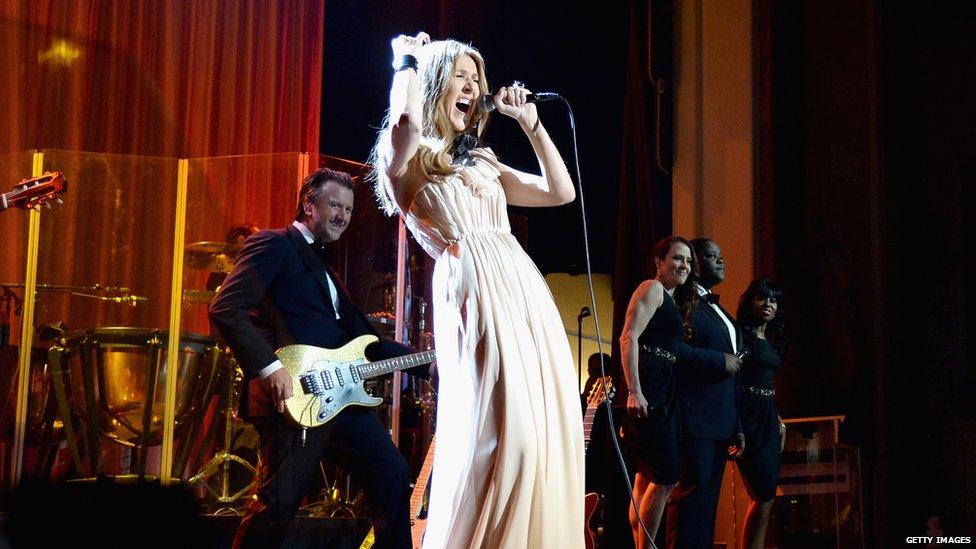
[222, 460]
[116, 294]
[333, 504]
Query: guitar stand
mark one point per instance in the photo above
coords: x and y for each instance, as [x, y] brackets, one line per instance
[222, 461]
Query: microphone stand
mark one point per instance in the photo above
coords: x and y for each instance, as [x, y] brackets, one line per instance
[584, 312]
[579, 351]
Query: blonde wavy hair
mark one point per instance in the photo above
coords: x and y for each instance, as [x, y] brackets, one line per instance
[435, 69]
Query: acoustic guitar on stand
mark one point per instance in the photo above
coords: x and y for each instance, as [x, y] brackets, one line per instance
[602, 390]
[34, 192]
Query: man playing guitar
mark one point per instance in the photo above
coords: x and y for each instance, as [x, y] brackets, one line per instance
[282, 292]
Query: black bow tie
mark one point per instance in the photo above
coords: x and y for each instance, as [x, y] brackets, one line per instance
[711, 298]
[320, 250]
[463, 145]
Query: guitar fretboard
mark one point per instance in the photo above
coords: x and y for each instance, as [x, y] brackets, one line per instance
[381, 367]
[588, 425]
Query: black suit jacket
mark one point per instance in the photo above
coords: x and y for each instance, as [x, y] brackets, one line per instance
[709, 395]
[277, 295]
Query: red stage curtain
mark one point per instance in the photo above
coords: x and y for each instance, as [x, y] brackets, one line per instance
[162, 78]
[170, 78]
[159, 80]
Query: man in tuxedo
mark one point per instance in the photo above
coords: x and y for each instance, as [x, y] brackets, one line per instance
[707, 369]
[282, 291]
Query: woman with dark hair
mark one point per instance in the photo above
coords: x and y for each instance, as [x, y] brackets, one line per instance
[511, 474]
[657, 318]
[761, 317]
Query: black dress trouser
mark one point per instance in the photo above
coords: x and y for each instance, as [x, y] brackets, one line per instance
[694, 502]
[354, 440]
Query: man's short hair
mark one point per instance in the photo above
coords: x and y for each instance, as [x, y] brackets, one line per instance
[315, 182]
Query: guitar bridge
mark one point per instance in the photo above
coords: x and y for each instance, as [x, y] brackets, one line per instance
[311, 384]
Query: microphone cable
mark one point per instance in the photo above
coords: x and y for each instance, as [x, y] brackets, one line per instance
[596, 323]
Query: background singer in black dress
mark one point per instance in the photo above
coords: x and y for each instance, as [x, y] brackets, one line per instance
[654, 327]
[760, 317]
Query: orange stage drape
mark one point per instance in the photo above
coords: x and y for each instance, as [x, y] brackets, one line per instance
[114, 93]
[162, 78]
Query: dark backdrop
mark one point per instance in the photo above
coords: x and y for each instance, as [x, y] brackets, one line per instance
[865, 159]
[566, 47]
[864, 165]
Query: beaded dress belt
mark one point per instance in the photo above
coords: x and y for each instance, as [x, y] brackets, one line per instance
[657, 351]
[759, 391]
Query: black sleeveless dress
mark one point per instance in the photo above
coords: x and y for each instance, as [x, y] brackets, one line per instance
[654, 441]
[760, 462]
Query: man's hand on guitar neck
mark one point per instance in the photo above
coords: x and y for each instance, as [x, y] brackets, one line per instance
[279, 384]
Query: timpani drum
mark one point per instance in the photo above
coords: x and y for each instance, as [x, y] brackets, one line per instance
[114, 381]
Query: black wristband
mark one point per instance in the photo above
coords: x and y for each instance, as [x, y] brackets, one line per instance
[406, 61]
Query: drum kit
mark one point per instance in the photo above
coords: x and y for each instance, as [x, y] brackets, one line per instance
[99, 393]
[100, 389]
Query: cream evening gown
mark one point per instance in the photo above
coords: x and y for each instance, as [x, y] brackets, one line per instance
[508, 466]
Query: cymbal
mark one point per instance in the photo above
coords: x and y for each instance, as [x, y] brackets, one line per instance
[217, 257]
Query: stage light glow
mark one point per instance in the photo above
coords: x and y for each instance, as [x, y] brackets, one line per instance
[62, 52]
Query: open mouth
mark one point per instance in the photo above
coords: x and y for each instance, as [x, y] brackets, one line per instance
[463, 105]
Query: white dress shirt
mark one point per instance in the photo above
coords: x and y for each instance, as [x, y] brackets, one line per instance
[721, 314]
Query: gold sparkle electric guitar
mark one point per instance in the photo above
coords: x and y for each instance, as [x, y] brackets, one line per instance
[326, 381]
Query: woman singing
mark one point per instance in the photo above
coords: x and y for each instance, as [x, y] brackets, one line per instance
[761, 317]
[511, 473]
[655, 325]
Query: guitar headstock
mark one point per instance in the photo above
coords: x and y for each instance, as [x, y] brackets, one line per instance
[602, 389]
[36, 191]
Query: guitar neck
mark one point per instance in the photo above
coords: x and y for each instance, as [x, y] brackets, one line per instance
[588, 425]
[417, 497]
[381, 367]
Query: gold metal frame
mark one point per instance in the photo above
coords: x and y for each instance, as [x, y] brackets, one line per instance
[26, 332]
[175, 319]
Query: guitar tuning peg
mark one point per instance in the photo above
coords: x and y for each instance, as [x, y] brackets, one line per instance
[58, 200]
[48, 204]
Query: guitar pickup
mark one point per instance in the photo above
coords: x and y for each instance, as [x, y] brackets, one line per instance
[326, 379]
[338, 373]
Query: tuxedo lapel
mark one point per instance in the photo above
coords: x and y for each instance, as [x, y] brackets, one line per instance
[312, 261]
[351, 317]
[716, 317]
[735, 327]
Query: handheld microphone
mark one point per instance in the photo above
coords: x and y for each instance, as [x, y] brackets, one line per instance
[487, 102]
